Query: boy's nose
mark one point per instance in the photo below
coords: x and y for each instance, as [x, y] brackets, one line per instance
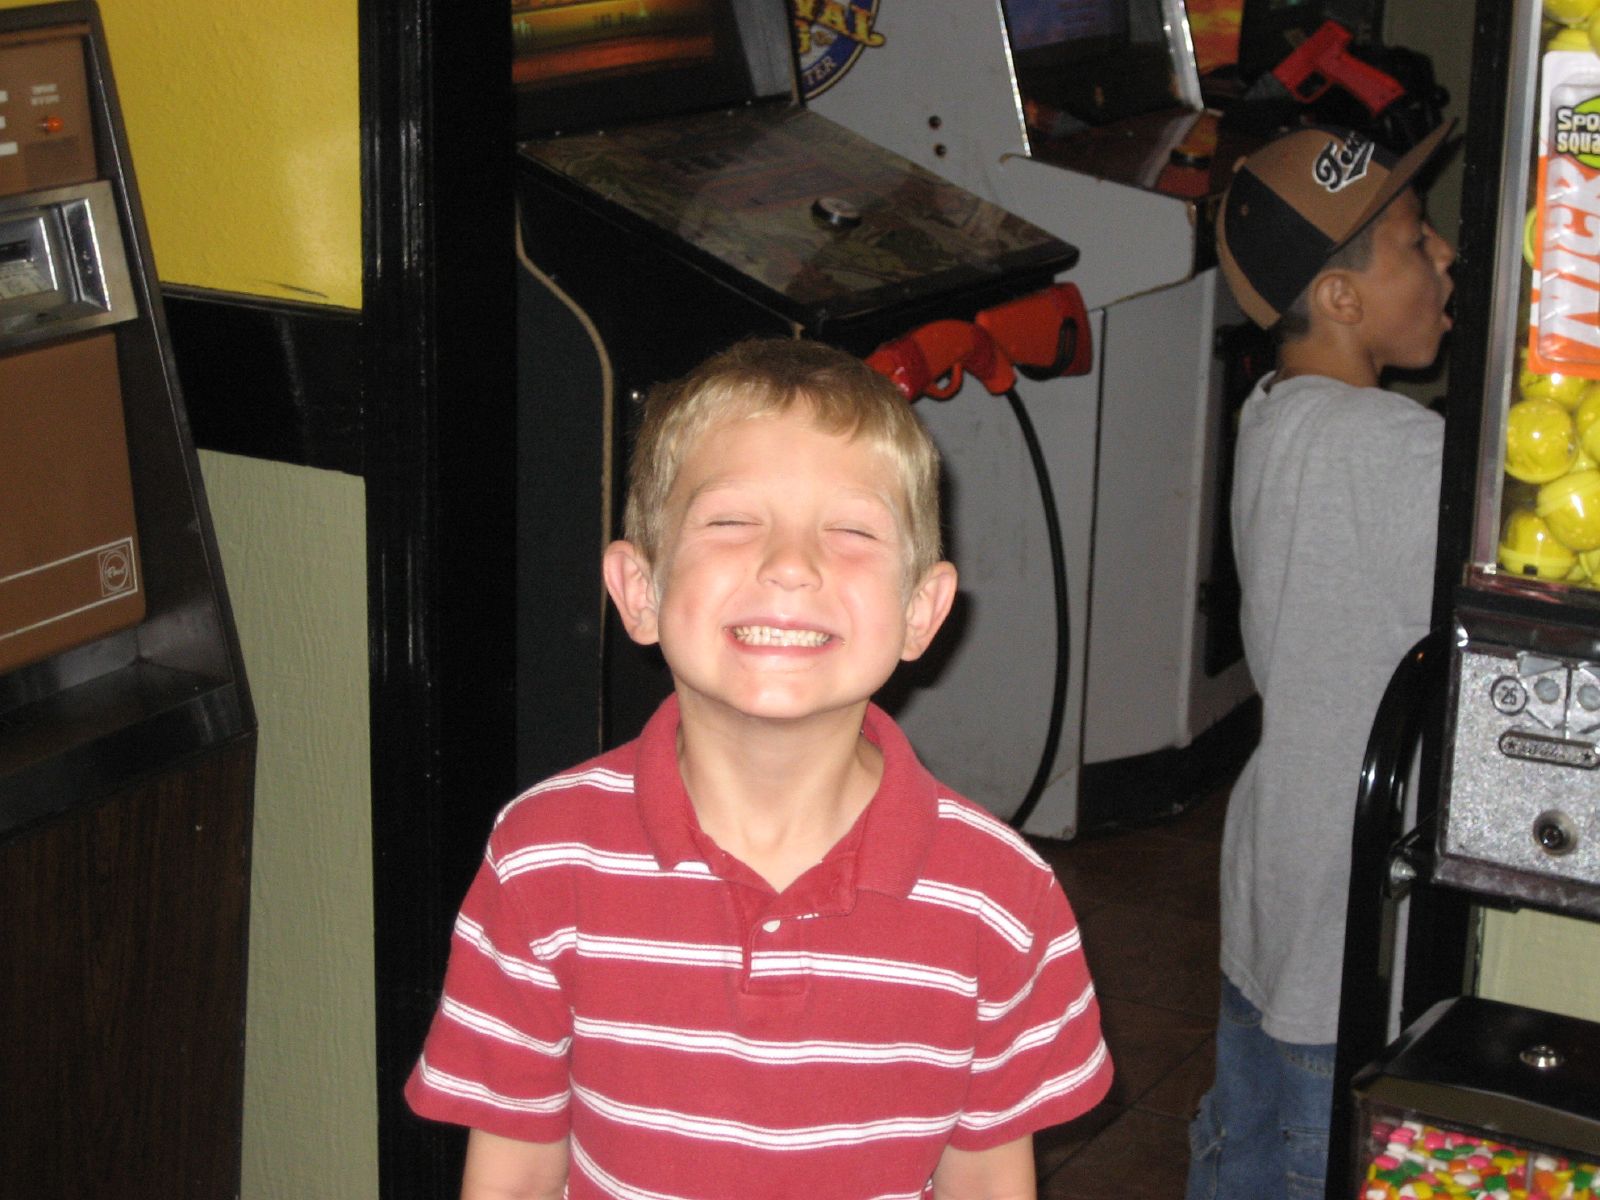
[790, 561]
[1443, 252]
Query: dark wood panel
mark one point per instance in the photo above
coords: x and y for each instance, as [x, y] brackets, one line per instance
[439, 441]
[268, 378]
[124, 927]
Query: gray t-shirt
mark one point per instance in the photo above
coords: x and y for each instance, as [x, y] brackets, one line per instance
[1335, 502]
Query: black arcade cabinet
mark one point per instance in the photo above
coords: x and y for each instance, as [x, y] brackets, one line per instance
[712, 207]
[127, 736]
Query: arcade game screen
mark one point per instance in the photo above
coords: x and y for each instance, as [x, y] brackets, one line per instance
[1091, 62]
[569, 55]
[555, 40]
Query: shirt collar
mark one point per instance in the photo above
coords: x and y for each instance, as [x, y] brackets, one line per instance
[889, 840]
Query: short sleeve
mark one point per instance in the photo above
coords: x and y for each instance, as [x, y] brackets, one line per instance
[1040, 1058]
[1395, 491]
[496, 1054]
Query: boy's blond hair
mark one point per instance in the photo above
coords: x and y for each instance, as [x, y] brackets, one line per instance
[771, 375]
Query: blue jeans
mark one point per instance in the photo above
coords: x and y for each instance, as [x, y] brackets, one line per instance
[1262, 1130]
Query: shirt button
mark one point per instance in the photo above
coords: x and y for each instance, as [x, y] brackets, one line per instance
[772, 925]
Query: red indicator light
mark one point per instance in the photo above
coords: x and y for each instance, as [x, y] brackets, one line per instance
[51, 124]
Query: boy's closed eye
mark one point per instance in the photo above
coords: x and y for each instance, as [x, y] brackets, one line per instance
[865, 525]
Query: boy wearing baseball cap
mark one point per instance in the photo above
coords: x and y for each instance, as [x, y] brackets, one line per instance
[1335, 499]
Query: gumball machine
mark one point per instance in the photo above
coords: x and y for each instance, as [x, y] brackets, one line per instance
[1482, 1100]
[1475, 1097]
[1519, 810]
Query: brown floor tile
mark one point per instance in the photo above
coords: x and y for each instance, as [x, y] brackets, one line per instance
[1202, 820]
[1089, 867]
[1147, 1044]
[1171, 874]
[1147, 905]
[1148, 868]
[1139, 1156]
[1058, 853]
[1178, 1094]
[1154, 956]
[1055, 1145]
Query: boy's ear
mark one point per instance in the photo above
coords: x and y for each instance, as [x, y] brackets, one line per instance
[1337, 296]
[632, 587]
[928, 607]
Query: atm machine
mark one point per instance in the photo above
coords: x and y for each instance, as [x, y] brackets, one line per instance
[127, 735]
[673, 197]
[1088, 119]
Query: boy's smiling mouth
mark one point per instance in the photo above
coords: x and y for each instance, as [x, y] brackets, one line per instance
[769, 635]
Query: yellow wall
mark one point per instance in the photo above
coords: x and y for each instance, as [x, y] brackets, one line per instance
[243, 120]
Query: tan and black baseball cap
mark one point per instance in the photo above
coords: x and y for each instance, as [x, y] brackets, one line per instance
[1293, 203]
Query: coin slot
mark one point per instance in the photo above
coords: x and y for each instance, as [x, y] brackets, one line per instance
[1555, 833]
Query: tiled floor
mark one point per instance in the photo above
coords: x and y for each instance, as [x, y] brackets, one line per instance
[1146, 901]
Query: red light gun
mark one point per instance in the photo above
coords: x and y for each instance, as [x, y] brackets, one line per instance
[1323, 60]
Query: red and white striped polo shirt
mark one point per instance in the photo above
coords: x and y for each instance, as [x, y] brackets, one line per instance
[617, 979]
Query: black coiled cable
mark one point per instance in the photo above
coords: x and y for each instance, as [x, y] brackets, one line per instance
[1058, 572]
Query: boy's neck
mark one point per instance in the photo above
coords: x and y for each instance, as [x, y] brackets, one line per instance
[1339, 357]
[777, 795]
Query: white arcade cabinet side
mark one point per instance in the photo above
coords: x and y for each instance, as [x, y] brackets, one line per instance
[1137, 449]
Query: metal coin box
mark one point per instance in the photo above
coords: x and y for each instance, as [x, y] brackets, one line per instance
[117, 652]
[127, 734]
[1522, 815]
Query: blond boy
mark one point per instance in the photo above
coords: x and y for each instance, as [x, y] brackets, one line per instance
[760, 952]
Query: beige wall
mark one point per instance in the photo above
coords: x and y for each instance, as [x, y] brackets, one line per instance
[292, 542]
[1416, 24]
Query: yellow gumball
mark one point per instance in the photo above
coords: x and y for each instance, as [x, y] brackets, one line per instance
[1570, 12]
[1570, 506]
[1584, 418]
[1541, 442]
[1569, 39]
[1565, 390]
[1588, 410]
[1528, 548]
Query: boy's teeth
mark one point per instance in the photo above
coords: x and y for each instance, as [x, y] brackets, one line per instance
[766, 635]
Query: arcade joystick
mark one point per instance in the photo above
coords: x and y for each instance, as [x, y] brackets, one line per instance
[835, 213]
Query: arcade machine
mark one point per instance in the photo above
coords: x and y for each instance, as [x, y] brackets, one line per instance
[675, 197]
[1505, 695]
[1089, 117]
[127, 736]
[1092, 119]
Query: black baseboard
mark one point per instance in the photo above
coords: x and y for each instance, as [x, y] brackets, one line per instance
[269, 378]
[1128, 793]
